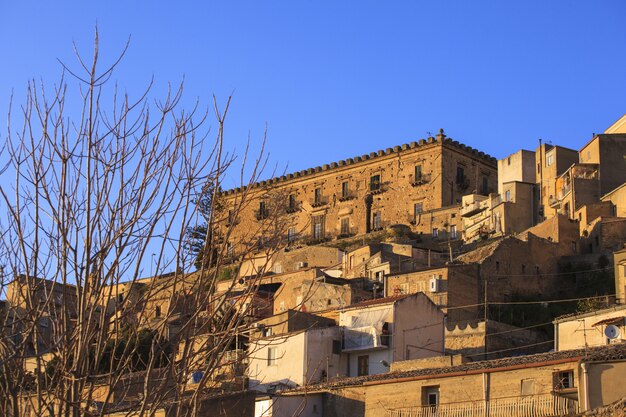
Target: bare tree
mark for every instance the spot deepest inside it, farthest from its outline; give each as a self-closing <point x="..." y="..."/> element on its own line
<point x="101" y="196"/>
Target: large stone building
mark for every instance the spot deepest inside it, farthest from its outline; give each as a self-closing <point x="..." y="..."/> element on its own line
<point x="408" y="184"/>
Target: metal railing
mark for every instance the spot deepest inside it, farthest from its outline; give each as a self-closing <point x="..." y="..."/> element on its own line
<point x="529" y="406"/>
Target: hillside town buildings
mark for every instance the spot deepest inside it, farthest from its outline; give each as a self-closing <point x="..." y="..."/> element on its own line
<point x="427" y="279"/>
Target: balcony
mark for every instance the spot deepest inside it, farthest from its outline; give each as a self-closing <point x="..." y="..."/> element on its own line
<point x="546" y="405"/>
<point x="554" y="203"/>
<point x="347" y="197"/>
<point x="472" y="208"/>
<point x="364" y="338"/>
<point x="262" y="214"/>
<point x="319" y="202"/>
<point x="292" y="208"/>
<point x="421" y="180"/>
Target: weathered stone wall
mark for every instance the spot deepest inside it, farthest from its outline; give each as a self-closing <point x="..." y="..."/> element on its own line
<point x="364" y="193"/>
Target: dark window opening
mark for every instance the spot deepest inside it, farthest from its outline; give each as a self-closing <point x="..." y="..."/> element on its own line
<point x="292" y="202"/>
<point x="318" y="196"/>
<point x="363" y="365"/>
<point x="345" y="226"/>
<point x="377" y="221"/>
<point x="375" y="183"/>
<point x="262" y="214"/>
<point x="460" y="174"/>
<point x="318" y="227"/>
<point x="345" y="189"/>
<point x="485" y="186"/>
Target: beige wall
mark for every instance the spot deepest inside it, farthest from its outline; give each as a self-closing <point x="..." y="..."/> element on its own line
<point x="557" y="229"/>
<point x="499" y="385"/>
<point x="617" y="198"/>
<point x="604" y="383"/>
<point x="519" y="166"/>
<point x="583" y="330"/>
<point x="608" y="151"/>
<point x="550" y="163"/>
<point x="458" y="286"/>
<point x="416" y="327"/>
<point x="301" y="358"/>
<point x="619" y="263"/>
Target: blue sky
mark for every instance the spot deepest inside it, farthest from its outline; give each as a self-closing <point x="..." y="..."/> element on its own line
<point x="331" y="79"/>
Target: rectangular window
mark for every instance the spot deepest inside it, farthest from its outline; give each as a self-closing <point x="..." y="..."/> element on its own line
<point x="430" y="396"/>
<point x="229" y="249"/>
<point x="318" y="196"/>
<point x="527" y="387"/>
<point x="291" y="234"/>
<point x="292" y="202"/>
<point x="271" y="356"/>
<point x="376" y="221"/>
<point x="563" y="380"/>
<point x="345" y="190"/>
<point x="262" y="214"/>
<point x="230" y="218"/>
<point x="363" y="365"/>
<point x="345" y="226"/>
<point x="507" y="195"/>
<point x="418" y="173"/>
<point x="485" y="185"/>
<point x="375" y="183"/>
<point x="417" y="209"/>
<point x="549" y="159"/>
<point x="318" y="227"/>
<point x="452" y="232"/>
<point x="336" y="347"/>
<point x="435" y="232"/>
<point x="460" y="174"/>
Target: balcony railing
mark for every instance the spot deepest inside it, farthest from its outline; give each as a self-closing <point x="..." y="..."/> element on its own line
<point x="421" y="180"/>
<point x="319" y="202"/>
<point x="531" y="406"/>
<point x="554" y="203"/>
<point x="347" y="197"/>
<point x="472" y="208"/>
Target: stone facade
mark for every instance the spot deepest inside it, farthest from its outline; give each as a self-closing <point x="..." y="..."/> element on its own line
<point x="407" y="184"/>
<point x="452" y="288"/>
<point x="551" y="162"/>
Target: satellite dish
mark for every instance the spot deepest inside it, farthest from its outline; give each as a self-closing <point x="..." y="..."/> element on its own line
<point x="612" y="332"/>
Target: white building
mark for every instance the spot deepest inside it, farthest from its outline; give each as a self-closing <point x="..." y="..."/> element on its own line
<point x="386" y="330"/>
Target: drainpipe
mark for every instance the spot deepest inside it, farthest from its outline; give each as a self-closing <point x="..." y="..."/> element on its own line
<point x="486" y="393"/>
<point x="556" y="337"/>
<point x="585" y="384"/>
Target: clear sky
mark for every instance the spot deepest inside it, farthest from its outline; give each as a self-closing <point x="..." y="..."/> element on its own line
<point x="334" y="79"/>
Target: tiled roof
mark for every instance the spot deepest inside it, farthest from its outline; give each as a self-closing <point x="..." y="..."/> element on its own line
<point x="612" y="352"/>
<point x="377" y="301"/>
